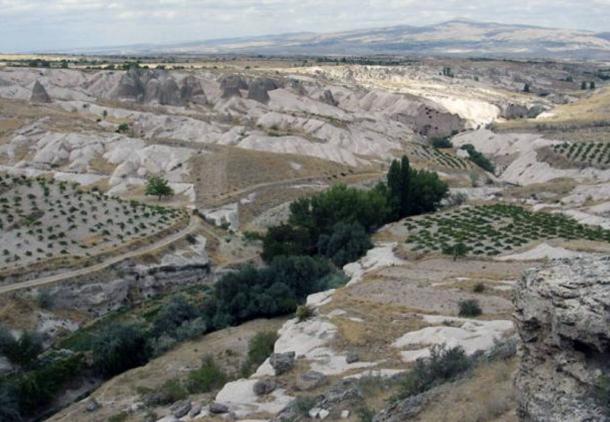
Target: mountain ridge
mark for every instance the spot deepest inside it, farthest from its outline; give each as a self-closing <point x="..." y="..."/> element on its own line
<point x="457" y="37"/>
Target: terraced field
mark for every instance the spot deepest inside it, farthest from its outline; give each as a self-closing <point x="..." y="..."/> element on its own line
<point x="493" y="229"/>
<point x="43" y="220"/>
<point x="437" y="157"/>
<point x="585" y="153"/>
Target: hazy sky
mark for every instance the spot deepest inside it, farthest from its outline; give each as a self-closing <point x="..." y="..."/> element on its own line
<point x="37" y="25"/>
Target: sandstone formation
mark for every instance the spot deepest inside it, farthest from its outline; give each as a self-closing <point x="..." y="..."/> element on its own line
<point x="328" y="98"/>
<point x="562" y="315"/>
<point x="259" y="89"/>
<point x="158" y="87"/>
<point x="232" y="85"/>
<point x="39" y="94"/>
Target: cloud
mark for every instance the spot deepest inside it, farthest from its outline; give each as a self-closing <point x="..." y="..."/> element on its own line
<point x="27" y="25"/>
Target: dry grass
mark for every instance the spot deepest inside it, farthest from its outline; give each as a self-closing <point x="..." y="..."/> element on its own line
<point x="485" y="396"/>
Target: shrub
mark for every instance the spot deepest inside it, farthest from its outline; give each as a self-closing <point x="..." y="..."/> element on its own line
<point x="170" y="392"/>
<point x="443" y="365"/>
<point x="22" y="351"/>
<point x="208" y="377"/>
<point x="260" y="348"/>
<point x="479" y="288"/>
<point x="479" y="159"/>
<point x="304" y="312"/>
<point x="9" y="404"/>
<point x="119" y="348"/>
<point x="469" y="308"/>
<point x="441" y="143"/>
<point x="172" y="315"/>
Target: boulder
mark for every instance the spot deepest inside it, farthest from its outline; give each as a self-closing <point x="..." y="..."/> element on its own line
<point x="562" y="321"/>
<point x="39" y="94"/>
<point x="92" y="405"/>
<point x="181" y="408"/>
<point x="318" y="413"/>
<point x="310" y="380"/>
<point x="352" y="357"/>
<point x="195" y="410"/>
<point x="264" y="387"/>
<point x="282" y="362"/>
<point x="218" y="408"/>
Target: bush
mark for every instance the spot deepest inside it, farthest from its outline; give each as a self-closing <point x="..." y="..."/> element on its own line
<point x="172" y="315"/>
<point x="23" y="351"/>
<point x="9" y="404"/>
<point x="479" y="288"/>
<point x="119" y="348"/>
<point x="260" y="348"/>
<point x="479" y="159"/>
<point x="268" y="292"/>
<point x="170" y="392"/>
<point x="443" y="365"/>
<point x="208" y="377"/>
<point x="442" y="143"/>
<point x="304" y="312"/>
<point x="469" y="308"/>
<point x="159" y="187"/>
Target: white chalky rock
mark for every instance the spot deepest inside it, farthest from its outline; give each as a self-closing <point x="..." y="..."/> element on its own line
<point x="472" y="335"/>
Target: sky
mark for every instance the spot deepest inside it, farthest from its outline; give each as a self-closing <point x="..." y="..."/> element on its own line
<point x="52" y="25"/>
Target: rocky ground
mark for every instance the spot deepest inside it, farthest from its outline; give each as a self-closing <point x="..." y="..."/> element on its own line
<point x="238" y="143"/>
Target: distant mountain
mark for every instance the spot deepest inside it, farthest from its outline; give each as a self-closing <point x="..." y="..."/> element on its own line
<point x="455" y="38"/>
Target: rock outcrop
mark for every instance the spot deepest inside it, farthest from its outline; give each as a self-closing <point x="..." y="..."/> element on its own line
<point x="158" y="87"/>
<point x="259" y="89"/>
<point x="562" y="315"/>
<point x="328" y="98"/>
<point x="232" y="85"/>
<point x="39" y="94"/>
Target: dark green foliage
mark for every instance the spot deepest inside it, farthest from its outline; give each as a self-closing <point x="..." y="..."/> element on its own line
<point x="478" y="288"/>
<point x="23" y="351"/>
<point x="479" y="159"/>
<point x="443" y="365"/>
<point x="457" y="250"/>
<point x="170" y="392"/>
<point x="469" y="308"/>
<point x="345" y="244"/>
<point x="38" y="387"/>
<point x="321" y="224"/>
<point x="208" y="377"/>
<point x="158" y="186"/>
<point x="9" y="404"/>
<point x="123" y="128"/>
<point x="172" y="315"/>
<point x="441" y="143"/>
<point x="286" y="240"/>
<point x="119" y="348"/>
<point x="365" y="414"/>
<point x="526" y="87"/>
<point x="257" y="293"/>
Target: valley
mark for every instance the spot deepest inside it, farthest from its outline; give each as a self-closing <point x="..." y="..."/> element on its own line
<point x="276" y="271"/>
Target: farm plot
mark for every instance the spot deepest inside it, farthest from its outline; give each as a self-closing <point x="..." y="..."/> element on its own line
<point x="585" y="153"/>
<point x="42" y="220"/>
<point x="493" y="229"/>
<point x="438" y="157"/>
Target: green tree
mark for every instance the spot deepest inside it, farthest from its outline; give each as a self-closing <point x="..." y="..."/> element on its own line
<point x="583" y="85"/>
<point x="592" y="85"/>
<point x="526" y="88"/>
<point x="119" y="348"/>
<point x="346" y="243"/>
<point x="158" y="186"/>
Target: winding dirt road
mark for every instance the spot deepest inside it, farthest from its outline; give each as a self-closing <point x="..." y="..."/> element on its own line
<point x="43" y="281"/>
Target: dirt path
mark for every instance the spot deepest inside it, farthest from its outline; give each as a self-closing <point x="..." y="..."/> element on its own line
<point x="193" y="225"/>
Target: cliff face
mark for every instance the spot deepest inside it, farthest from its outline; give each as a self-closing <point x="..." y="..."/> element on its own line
<point x="563" y="320"/>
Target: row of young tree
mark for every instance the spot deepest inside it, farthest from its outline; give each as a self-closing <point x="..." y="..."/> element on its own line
<point x="324" y="231"/>
<point x="336" y="224"/>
